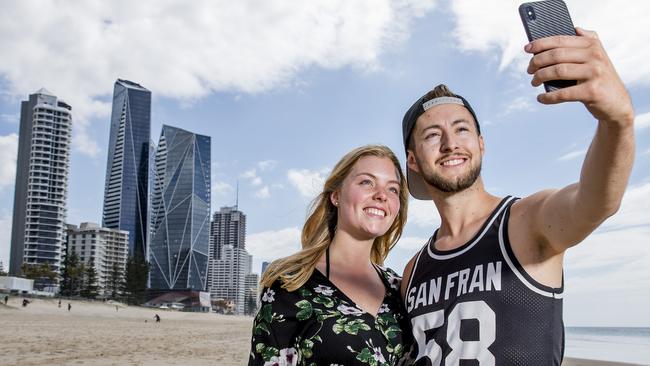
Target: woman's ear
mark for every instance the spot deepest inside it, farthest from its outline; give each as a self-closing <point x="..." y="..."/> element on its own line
<point x="334" y="198"/>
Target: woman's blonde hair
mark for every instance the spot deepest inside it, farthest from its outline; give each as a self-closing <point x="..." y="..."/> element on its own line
<point x="318" y="231"/>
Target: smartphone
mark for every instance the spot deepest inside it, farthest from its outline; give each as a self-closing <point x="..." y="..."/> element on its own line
<point x="544" y="19"/>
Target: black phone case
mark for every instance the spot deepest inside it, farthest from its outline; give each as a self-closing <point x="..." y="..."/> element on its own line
<point x="550" y="18"/>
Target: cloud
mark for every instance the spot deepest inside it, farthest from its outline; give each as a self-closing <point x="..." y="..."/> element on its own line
<point x="308" y="182"/>
<point x="273" y="244"/>
<point x="634" y="209"/>
<point x="12" y="118"/>
<point x="186" y="50"/>
<point x="494" y="27"/>
<point x="423" y="214"/>
<point x="252" y="177"/>
<point x="8" y="153"/>
<point x="267" y="164"/>
<point x="522" y="103"/>
<point x="5" y="239"/>
<point x="616" y="257"/>
<point x="572" y="155"/>
<point x="220" y="188"/>
<point x="263" y="192"/>
<point x="411" y="243"/>
<point x="642" y="121"/>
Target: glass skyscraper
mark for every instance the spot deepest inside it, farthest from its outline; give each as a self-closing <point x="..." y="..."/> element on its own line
<point x="43" y="164"/>
<point x="126" y="193"/>
<point x="180" y="210"/>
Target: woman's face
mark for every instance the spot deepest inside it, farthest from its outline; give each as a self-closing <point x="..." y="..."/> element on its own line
<point x="368" y="200"/>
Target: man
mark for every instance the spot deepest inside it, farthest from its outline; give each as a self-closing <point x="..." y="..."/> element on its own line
<point x="487" y="287"/>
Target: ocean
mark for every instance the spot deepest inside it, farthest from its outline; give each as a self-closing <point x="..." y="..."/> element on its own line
<point x="609" y="344"/>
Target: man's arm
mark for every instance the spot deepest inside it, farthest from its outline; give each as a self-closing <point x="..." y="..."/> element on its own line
<point x="564" y="217"/>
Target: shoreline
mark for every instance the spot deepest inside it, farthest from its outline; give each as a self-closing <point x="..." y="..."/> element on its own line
<point x="571" y="361"/>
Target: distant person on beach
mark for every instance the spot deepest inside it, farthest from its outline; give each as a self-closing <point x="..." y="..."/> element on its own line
<point x="487" y="287"/>
<point x="157" y="317"/>
<point x="25" y="302"/>
<point x="59" y="302"/>
<point x="6" y="299"/>
<point x="333" y="302"/>
<point x="69" y="306"/>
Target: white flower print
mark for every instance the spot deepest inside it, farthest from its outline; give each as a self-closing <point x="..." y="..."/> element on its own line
<point x="393" y="281"/>
<point x="377" y="355"/>
<point x="383" y="309"/>
<point x="268" y="295"/>
<point x="288" y="357"/>
<point x="349" y="310"/>
<point x="274" y="361"/>
<point x="325" y="290"/>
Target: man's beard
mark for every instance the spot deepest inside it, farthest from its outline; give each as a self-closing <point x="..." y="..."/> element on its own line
<point x="450" y="185"/>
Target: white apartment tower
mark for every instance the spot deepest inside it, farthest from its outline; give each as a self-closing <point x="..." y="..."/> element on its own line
<point x="227" y="278"/>
<point x="42" y="169"/>
<point x="107" y="248"/>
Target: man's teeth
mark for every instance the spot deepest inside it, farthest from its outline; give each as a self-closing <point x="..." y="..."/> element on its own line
<point x="375" y="211"/>
<point x="453" y="162"/>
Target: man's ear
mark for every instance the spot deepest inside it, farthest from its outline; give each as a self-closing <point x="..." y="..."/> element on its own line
<point x="481" y="144"/>
<point x="411" y="163"/>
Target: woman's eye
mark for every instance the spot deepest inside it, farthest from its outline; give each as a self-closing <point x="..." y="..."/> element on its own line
<point x="394" y="190"/>
<point x="366" y="182"/>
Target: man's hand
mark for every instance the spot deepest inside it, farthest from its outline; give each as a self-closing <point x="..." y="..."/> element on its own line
<point x="584" y="59"/>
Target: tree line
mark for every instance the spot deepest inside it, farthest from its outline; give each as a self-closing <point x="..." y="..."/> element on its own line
<point x="78" y="279"/>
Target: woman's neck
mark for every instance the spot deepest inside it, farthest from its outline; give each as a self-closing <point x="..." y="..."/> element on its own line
<point x="350" y="253"/>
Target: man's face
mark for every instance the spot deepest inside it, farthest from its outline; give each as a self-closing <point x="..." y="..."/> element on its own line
<point x="447" y="148"/>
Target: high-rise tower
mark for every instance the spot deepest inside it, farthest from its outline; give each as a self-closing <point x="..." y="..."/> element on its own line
<point x="228" y="228"/>
<point x="127" y="170"/>
<point x="180" y="210"/>
<point x="43" y="164"/>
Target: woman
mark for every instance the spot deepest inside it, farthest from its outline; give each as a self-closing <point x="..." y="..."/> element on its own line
<point x="331" y="303"/>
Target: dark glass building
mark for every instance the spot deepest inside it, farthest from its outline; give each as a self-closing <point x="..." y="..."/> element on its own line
<point x="180" y="211"/>
<point x="126" y="193"/>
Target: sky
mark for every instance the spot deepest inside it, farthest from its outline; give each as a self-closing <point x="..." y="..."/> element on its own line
<point x="286" y="88"/>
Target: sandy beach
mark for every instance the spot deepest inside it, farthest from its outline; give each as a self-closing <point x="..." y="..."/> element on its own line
<point x="95" y="333"/>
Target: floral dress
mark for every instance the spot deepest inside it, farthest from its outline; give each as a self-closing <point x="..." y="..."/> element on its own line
<point x="319" y="325"/>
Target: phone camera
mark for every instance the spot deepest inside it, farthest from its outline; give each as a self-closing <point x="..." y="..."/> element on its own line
<point x="530" y="13"/>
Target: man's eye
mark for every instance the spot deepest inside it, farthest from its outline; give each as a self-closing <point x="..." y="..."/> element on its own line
<point x="431" y="135"/>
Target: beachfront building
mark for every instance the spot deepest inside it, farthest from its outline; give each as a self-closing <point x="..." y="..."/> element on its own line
<point x="230" y="263"/>
<point x="228" y="276"/>
<point x="228" y="228"/>
<point x="251" y="293"/>
<point x="42" y="169"/>
<point x="127" y="169"/>
<point x="106" y="248"/>
<point x="265" y="265"/>
<point x="180" y="212"/>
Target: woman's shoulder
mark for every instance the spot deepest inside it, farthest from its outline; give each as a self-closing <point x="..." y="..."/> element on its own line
<point x="278" y="289"/>
<point x="393" y="279"/>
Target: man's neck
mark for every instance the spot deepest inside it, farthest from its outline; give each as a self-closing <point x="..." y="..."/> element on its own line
<point x="463" y="211"/>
